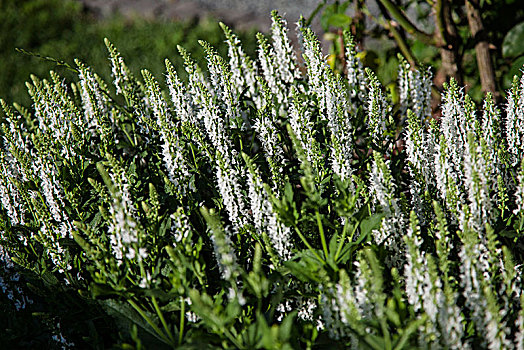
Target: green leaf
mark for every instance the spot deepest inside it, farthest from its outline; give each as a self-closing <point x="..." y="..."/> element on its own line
<point x="509" y="233"/>
<point x="232" y="311"/>
<point x="125" y="316"/>
<point x="254" y="336"/>
<point x="158" y="293"/>
<point x="513" y="44"/>
<point x="374" y="341"/>
<point x="339" y="20"/>
<point x="333" y="244"/>
<point x="287" y="326"/>
<point x="392" y="314"/>
<point x="288" y="192"/>
<point x="172" y="306"/>
<point x="49" y="279"/>
<point x="409" y="330"/>
<point x="211" y="313"/>
<point x="326" y="14"/>
<point x="101" y="290"/>
<point x="345" y="252"/>
<point x="369" y="224"/>
<point x="515" y="69"/>
<point x="306" y="269"/>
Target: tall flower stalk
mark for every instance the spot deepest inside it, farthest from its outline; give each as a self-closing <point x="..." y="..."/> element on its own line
<point x="380" y="225"/>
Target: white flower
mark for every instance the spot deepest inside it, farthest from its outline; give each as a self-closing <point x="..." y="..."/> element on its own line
<point x="268" y="135"/>
<point x="285" y="56"/>
<point x="283" y="309"/>
<point x="265" y="219"/>
<point x="60" y="340"/>
<point x="177" y="168"/>
<point x="123" y="228"/>
<point x="382" y="190"/>
<point x="10" y="197"/>
<point x="356" y="76"/>
<point x="478" y="184"/>
<point x="515" y="121"/>
<point x="181" y="101"/>
<point x="416" y="273"/>
<point x="519" y="193"/>
<point x="303" y="128"/>
<point x="377" y="109"/>
<point x="231" y="192"/>
<point x="220" y="76"/>
<point x="480" y="298"/>
<point x="415" y="90"/>
<point x="491" y="134"/>
<point x="224" y="254"/>
<point x="457" y="121"/>
<point x="180" y="226"/>
<point x="9" y="280"/>
<point x="192" y="317"/>
<point x="306" y="309"/>
<point x="93" y="101"/>
<point x="270" y="67"/>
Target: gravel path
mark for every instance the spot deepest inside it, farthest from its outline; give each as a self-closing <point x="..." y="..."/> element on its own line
<point x="240" y="14"/>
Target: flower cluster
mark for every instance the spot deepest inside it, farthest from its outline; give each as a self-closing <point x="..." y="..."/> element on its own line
<point x="268" y="203"/>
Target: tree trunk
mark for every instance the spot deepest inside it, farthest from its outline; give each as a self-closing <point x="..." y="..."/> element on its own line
<point x="447" y="40"/>
<point x="485" y="66"/>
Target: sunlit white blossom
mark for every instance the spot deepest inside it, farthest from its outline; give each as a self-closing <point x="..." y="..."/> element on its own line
<point x="265" y="219"/>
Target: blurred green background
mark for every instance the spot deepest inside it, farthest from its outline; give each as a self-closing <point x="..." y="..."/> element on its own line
<point x="62" y="29"/>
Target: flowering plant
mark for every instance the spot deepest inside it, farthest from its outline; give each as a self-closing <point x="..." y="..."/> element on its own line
<point x="269" y="204"/>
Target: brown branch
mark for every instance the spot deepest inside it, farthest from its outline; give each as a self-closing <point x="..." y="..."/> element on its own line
<point x="404" y="21"/>
<point x="402" y="45"/>
<point x="358" y="24"/>
<point x="447" y="41"/>
<point x="484" y="63"/>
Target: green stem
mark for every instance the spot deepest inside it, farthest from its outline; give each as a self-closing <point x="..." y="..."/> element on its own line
<point x="341" y="243"/>
<point x="162" y="319"/>
<point x="32" y="247"/>
<point x="322" y="235"/>
<point x="194" y="156"/>
<point x="314" y="13"/>
<point x="129" y="137"/>
<point x="27" y="200"/>
<point x="297" y="230"/>
<point x="385" y="331"/>
<point x="182" y="320"/>
<point x="372" y="343"/>
<point x="230" y="336"/>
<point x="402" y="45"/>
<point x="241" y="144"/>
<point x="158" y="331"/>
<point x="140" y="263"/>
<point x="344" y="233"/>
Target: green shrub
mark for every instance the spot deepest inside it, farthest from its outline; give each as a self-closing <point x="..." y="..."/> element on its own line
<point x="262" y="204"/>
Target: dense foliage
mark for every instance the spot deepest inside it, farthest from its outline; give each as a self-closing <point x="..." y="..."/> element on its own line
<point x="266" y="204"/>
